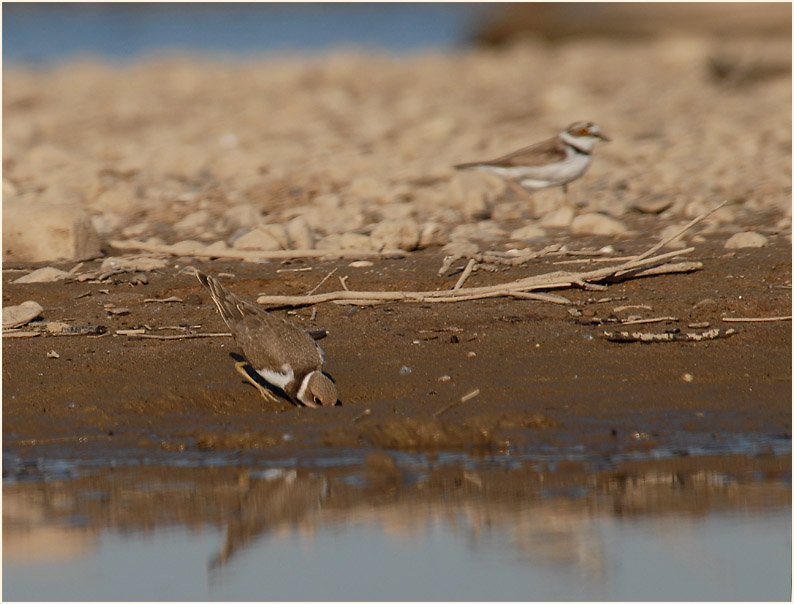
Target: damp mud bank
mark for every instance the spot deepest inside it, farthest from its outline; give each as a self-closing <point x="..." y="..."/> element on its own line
<point x="547" y="379"/>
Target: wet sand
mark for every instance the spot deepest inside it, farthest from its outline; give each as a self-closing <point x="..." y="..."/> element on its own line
<point x="544" y="376"/>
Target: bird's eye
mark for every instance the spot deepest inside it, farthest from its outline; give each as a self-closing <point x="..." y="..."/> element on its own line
<point x="317" y="400"/>
<point x="583" y="131"/>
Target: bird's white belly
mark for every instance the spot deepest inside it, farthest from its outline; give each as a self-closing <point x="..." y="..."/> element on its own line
<point x="278" y="378"/>
<point x="550" y="175"/>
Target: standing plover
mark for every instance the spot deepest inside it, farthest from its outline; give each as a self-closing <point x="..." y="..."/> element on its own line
<point x="553" y="162"/>
<point x="282" y="353"/>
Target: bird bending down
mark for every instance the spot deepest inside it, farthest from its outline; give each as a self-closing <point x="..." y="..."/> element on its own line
<point x="549" y="163"/>
<point x="280" y="352"/>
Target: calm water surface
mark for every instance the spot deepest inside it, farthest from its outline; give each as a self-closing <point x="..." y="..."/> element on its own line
<point x="420" y="530"/>
<point x="43" y="32"/>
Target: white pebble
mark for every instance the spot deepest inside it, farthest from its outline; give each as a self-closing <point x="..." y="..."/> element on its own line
<point x="746" y="239"/>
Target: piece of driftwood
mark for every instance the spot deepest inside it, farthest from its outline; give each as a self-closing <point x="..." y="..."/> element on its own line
<point x="646" y="264"/>
<point x="647" y="337"/>
<point x="171" y="250"/>
<point x="555" y="280"/>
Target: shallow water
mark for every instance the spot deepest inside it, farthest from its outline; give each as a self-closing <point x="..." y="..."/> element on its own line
<point x="47" y="32"/>
<point x="421" y="529"/>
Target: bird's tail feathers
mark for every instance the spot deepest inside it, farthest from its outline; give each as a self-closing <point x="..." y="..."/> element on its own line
<point x="229" y="305"/>
<point x="468" y="165"/>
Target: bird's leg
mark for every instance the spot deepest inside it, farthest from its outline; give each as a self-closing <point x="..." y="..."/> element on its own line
<point x="522" y="192"/>
<point x="240" y="366"/>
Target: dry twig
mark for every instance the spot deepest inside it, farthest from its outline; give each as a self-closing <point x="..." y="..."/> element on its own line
<point x="465" y="274"/>
<point x="653" y="320"/>
<point x="463" y="399"/>
<point x="185" y="336"/>
<point x="323" y="280"/>
<point x="754" y="319"/>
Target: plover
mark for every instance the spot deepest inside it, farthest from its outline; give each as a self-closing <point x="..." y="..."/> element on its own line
<point x="550" y="163"/>
<point x="282" y="353"/>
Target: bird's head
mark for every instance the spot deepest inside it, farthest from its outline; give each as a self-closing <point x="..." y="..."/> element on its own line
<point x="585" y="134"/>
<point x="318" y="390"/>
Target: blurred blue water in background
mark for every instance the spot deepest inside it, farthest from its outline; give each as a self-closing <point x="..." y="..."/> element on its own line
<point x="42" y="33"/>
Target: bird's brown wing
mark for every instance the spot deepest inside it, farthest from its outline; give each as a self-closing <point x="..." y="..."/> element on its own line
<point x="540" y="154"/>
<point x="269" y="342"/>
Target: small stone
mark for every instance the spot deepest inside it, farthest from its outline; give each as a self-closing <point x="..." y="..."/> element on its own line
<point x="669" y="231"/>
<point x="218" y="246"/>
<point x="485" y="230"/>
<point x="530" y="231"/>
<point x="432" y="233"/>
<point x="445" y="378"/>
<point x="345" y="241"/>
<point x="134" y="264"/>
<point x="9" y="190"/>
<point x="746" y="239"/>
<point x="107" y="223"/>
<point x="471" y="354"/>
<point x="405" y="370"/>
<point x="335" y="221"/>
<point x="509" y="210"/>
<point x="473" y="194"/>
<point x="655" y="205"/>
<point x="15" y="316"/>
<point x="262" y="239"/>
<point x="398" y="234"/>
<point x="360" y="263"/>
<point x="688" y="377"/>
<point x="242" y="216"/>
<point x="137" y="230"/>
<point x="196" y="222"/>
<point x="328" y="201"/>
<point x="597" y="224"/>
<point x="696" y="208"/>
<point x="560" y="218"/>
<point x="43" y="275"/>
<point x="53" y="355"/>
<point x="299" y="234"/>
<point x="115" y="201"/>
<point x="188" y="247"/>
<point x="367" y="187"/>
<point x="462" y="249"/>
<point x="394" y="211"/>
